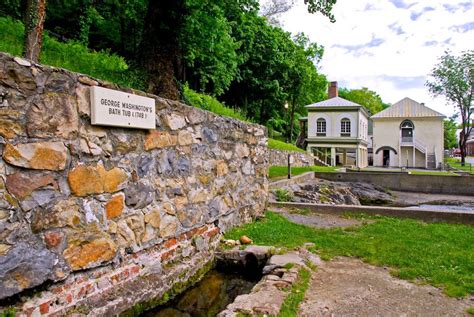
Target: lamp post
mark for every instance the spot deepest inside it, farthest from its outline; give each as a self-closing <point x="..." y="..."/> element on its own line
<point x="288" y="141"/>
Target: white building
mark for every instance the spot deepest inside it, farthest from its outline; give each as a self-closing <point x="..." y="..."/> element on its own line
<point x="337" y="131"/>
<point x="408" y="134"/>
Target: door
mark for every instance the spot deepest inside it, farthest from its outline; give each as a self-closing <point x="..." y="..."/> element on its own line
<point x="386" y="158"/>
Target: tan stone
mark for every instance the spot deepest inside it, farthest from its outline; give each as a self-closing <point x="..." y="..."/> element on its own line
<point x="21" y="185"/>
<point x="180" y="202"/>
<point x="175" y="121"/>
<point x="245" y="240"/>
<point x="53" y="115"/>
<point x="85" y="180"/>
<point x="153" y="218"/>
<point x="112" y="226"/>
<point x="64" y="213"/>
<point x="185" y="138"/>
<point x="198" y="196"/>
<point x="114" y="207"/>
<point x="168" y="226"/>
<point x="10" y="129"/>
<point x="40" y="155"/>
<point x="159" y="139"/>
<point x="222" y="168"/>
<point x="4" y="249"/>
<point x="169" y="208"/>
<point x="87" y="250"/>
<point x="204" y="179"/>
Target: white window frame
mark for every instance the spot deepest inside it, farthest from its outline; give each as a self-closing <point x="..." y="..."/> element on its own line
<point x="346" y="127"/>
<point x="321" y="127"/>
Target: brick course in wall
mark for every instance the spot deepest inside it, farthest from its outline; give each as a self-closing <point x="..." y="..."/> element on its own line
<point x="96" y="220"/>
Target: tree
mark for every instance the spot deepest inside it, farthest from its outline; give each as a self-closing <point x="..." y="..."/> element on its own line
<point x="34" y="21"/>
<point x="450" y="139"/>
<point x="365" y="97"/>
<point x="272" y="10"/>
<point x="453" y="78"/>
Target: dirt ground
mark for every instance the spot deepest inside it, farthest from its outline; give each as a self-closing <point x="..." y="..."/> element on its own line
<point x="349" y="287"/>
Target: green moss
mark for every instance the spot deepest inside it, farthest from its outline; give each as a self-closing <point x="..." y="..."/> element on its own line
<point x="8" y="312"/>
<point x="175" y="290"/>
<point x="296" y="295"/>
<point x="470" y="311"/>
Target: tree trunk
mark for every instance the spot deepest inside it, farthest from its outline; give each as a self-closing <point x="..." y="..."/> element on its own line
<point x="35" y="15"/>
<point x="462" y="146"/>
<point x="160" y="51"/>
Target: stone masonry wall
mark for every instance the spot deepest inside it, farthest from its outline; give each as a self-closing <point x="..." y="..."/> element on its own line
<point x="280" y="158"/>
<point x="97" y="220"/>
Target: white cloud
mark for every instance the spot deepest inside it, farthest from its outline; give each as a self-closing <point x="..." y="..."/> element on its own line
<point x="389" y="46"/>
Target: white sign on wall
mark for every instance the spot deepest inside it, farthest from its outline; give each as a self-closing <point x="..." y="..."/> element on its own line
<point x="119" y="109"/>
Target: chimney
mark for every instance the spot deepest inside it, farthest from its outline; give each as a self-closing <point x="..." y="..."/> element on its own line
<point x="332" y="90"/>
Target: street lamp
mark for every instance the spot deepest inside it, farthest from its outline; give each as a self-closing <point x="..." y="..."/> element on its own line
<point x="288" y="141"/>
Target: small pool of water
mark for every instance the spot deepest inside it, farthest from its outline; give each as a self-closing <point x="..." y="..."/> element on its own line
<point x="208" y="297"/>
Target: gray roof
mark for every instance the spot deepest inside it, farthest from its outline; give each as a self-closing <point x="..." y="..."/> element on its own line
<point x="333" y="102"/>
<point x="407" y="108"/>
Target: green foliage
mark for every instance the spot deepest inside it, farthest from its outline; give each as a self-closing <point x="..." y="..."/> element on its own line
<point x="439" y="254"/>
<point x="365" y="97"/>
<point x="209" y="103"/>
<point x="296" y="295"/>
<point x="456" y="163"/>
<point x="279" y="171"/>
<point x="279" y="145"/>
<point x="72" y="56"/>
<point x="470" y="310"/>
<point x="450" y="139"/>
<point x="8" y="312"/>
<point x="283" y="195"/>
<point x="433" y="173"/>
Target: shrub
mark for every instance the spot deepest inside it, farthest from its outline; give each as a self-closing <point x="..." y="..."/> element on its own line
<point x="283" y="195"/>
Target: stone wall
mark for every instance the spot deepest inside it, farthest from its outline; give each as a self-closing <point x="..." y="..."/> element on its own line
<point x="99" y="219"/>
<point x="280" y="158"/>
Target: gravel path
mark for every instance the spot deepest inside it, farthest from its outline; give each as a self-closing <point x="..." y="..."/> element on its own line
<point x="349" y="287"/>
<point x="318" y="220"/>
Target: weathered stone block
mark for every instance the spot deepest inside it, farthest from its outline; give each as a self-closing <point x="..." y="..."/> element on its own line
<point x="53" y="115"/>
<point x="153" y="218"/>
<point x="139" y="195"/>
<point x="114" y="207"/>
<point x="88" y="248"/>
<point x="175" y="121"/>
<point x="66" y="213"/>
<point x="21" y="185"/>
<point x="159" y="139"/>
<point x="85" y="180"/>
<point x="41" y="155"/>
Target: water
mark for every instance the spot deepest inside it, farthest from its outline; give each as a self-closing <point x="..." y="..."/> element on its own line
<point x="461" y="208"/>
<point x="208" y="297"/>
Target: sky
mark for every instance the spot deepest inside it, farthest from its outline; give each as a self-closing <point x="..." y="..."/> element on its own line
<point x="389" y="46"/>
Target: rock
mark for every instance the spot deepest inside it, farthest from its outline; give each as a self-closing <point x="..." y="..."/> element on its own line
<point x="53" y="239"/>
<point x="175" y="121"/>
<point x="21" y="185"/>
<point x="85" y="180"/>
<point x="200" y="243"/>
<point x="198" y="196"/>
<point x="183" y="165"/>
<point x="10" y="129"/>
<point x="245" y="240"/>
<point x="185" y="138"/>
<point x="90" y="147"/>
<point x="153" y="218"/>
<point x="285" y="259"/>
<point x="26" y="264"/>
<point x="139" y="195"/>
<point x="168" y="226"/>
<point x="159" y="139"/>
<point x="41" y="155"/>
<point x="145" y="165"/>
<point x="209" y="135"/>
<point x="164" y="165"/>
<point x="114" y="207"/>
<point x="54" y="115"/>
<point x="222" y="169"/>
<point x="189" y="217"/>
<point x="22" y="62"/>
<point x="87" y="81"/>
<point x="169" y="208"/>
<point x="64" y="213"/>
<point x="87" y="249"/>
<point x="37" y="198"/>
<point x="242" y="150"/>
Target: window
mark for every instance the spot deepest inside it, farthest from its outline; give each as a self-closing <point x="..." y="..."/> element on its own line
<point x="321" y="127"/>
<point x="345" y="127"/>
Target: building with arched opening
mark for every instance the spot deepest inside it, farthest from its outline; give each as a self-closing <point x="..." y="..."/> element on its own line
<point x="408" y="134"/>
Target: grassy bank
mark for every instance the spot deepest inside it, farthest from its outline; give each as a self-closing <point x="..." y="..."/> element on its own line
<point x="275" y="172"/>
<point x="279" y="145"/>
<point x="439" y="254"/>
<point x="456" y="163"/>
<point x="72" y="56"/>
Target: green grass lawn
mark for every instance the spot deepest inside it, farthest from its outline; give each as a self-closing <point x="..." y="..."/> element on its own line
<point x="456" y="163"/>
<point x="438" y="254"/>
<point x="435" y="173"/>
<point x="279" y="145"/>
<point x="281" y="171"/>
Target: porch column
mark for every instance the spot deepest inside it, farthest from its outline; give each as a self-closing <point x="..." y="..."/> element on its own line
<point x="357" y="152"/>
<point x="333" y="156"/>
<point x="344" y="157"/>
<point x="414" y="162"/>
